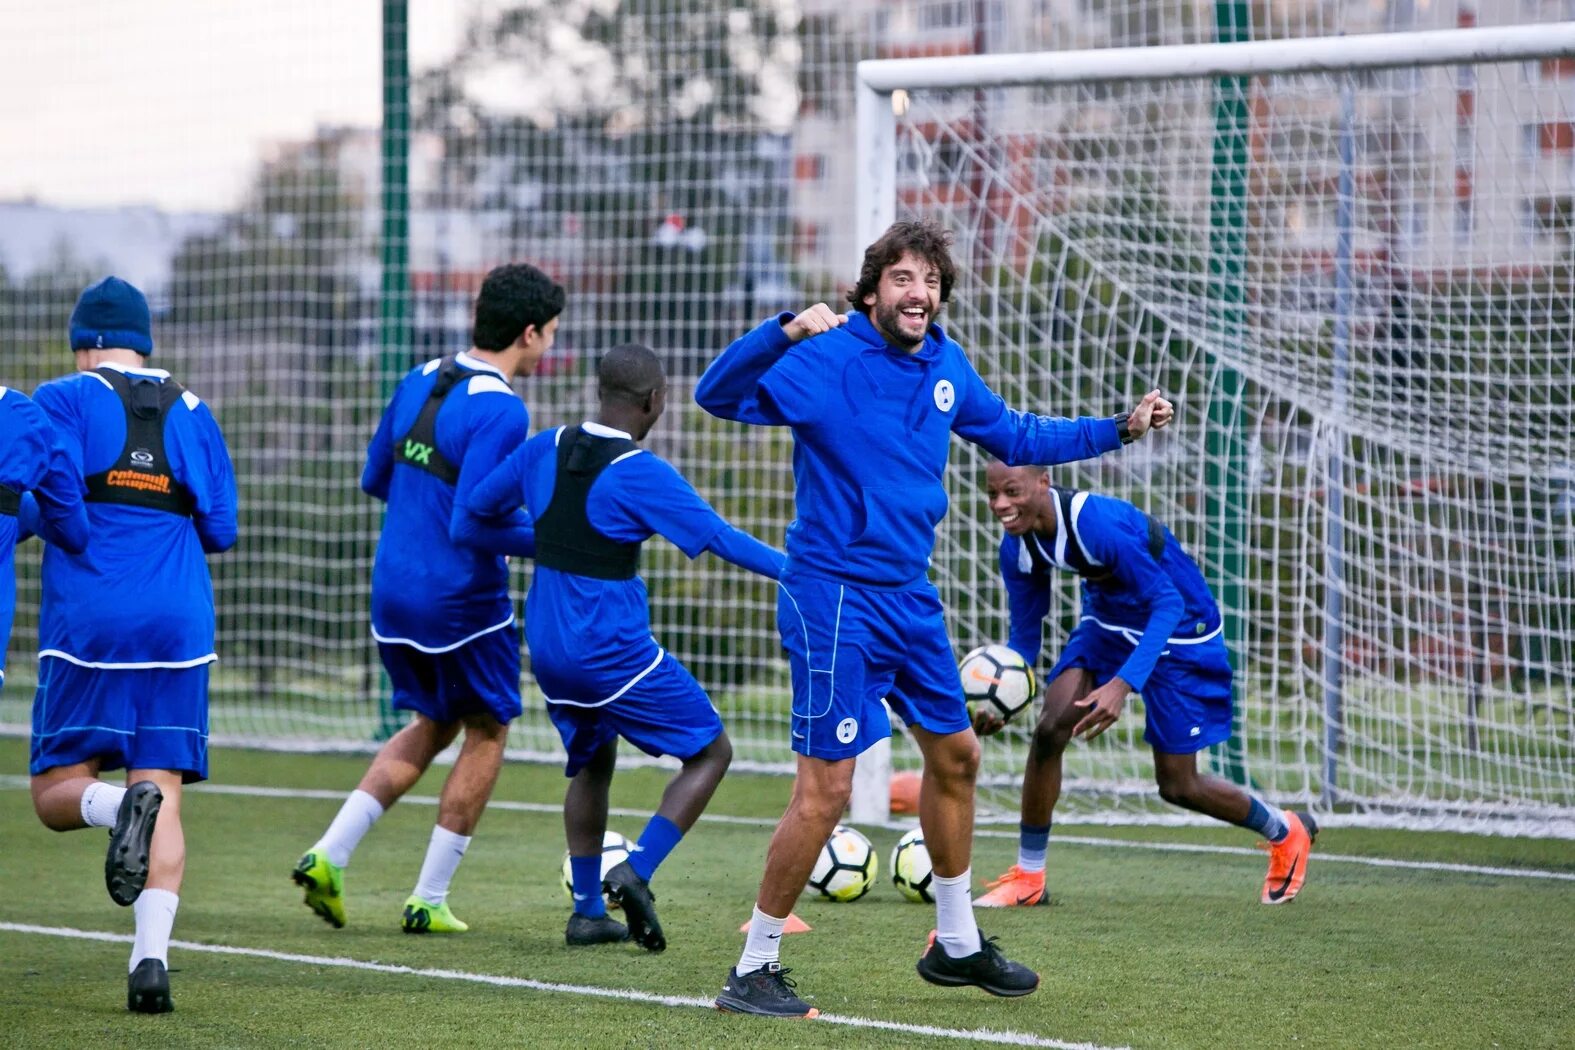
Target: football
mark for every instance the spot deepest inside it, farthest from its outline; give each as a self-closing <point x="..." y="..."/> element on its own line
<point x="615" y="850"/>
<point x="910" y="868"/>
<point x="998" y="678"/>
<point x="845" y="869"/>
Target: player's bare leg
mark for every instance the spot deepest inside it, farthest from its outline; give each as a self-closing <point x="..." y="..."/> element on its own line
<point x="584" y="826"/>
<point x="1023" y="884"/>
<point x="957" y="954"/>
<point x="57" y="794"/>
<point x="759" y="983"/>
<point x="147" y="986"/>
<point x="1288" y="836"/>
<point x="405" y="757"/>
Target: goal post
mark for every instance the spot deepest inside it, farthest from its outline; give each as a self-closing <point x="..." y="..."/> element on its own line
<point x="1370" y="288"/>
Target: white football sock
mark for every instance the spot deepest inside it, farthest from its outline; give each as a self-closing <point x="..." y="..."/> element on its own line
<point x="444" y="853"/>
<point x="954" y="923"/>
<point x="155" y="914"/>
<point x="355" y="819"/>
<point x="101" y="804"/>
<point x="764" y="944"/>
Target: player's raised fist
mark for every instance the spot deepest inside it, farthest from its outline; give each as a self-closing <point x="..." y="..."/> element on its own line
<point x="817" y="319"/>
<point x="1153" y="412"/>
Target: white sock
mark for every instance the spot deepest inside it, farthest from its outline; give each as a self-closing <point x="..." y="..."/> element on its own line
<point x="954" y="924"/>
<point x="155" y="914"/>
<point x="101" y="804"/>
<point x="355" y="819"/>
<point x="764" y="944"/>
<point x="444" y="853"/>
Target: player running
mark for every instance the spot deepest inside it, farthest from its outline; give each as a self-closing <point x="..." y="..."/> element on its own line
<point x="441" y="611"/>
<point x="126" y="626"/>
<point x="873" y="398"/>
<point x="594" y="497"/>
<point x="1149" y="625"/>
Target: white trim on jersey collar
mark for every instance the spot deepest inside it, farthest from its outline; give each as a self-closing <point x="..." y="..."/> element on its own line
<point x="590" y="426"/>
<point x="476" y="364"/>
<point x="156" y="373"/>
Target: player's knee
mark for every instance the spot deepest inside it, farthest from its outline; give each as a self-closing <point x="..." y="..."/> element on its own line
<point x="1050" y="739"/>
<point x="1176" y="789"/>
<point x="958" y="762"/>
<point x="719" y="752"/>
<point x="822" y="799"/>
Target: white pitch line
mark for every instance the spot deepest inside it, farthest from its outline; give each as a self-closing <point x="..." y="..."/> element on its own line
<point x="259" y="791"/>
<point x="972" y="1035"/>
<point x="1072" y="840"/>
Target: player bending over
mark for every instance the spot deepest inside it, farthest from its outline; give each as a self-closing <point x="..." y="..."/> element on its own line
<point x="873" y="398"/>
<point x="594" y="496"/>
<point x="1149" y="625"/>
<point x="441" y="612"/>
<point x="126" y="626"/>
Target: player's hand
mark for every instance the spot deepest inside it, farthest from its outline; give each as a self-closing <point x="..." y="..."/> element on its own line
<point x="1104" y="704"/>
<point x="1152" y="413"/>
<point x="987" y="723"/>
<point x="814" y="321"/>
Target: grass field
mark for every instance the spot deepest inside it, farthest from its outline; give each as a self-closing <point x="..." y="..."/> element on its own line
<point x="1147" y="947"/>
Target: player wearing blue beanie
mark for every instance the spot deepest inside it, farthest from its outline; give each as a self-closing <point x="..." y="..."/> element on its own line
<point x="128" y="689"/>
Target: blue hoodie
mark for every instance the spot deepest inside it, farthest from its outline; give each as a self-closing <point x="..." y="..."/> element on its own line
<point x="872" y="427"/>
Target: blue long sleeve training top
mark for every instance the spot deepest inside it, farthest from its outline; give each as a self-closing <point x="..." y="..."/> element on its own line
<point x="48" y="488"/>
<point x="140" y="594"/>
<point x="590" y="637"/>
<point x="872" y="427"/>
<point x="440" y="578"/>
<point x="1150" y="603"/>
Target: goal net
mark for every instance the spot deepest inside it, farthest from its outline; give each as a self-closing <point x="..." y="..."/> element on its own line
<point x="1351" y="264"/>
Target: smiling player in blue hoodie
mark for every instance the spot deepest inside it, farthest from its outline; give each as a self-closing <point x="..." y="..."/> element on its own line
<point x="874" y="397"/>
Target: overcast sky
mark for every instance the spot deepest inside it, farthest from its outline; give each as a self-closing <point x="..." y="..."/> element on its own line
<point x="172" y="102"/>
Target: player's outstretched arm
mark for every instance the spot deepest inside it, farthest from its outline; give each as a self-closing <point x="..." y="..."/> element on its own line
<point x="739" y="547"/>
<point x="736" y="385"/>
<point x="1151" y="413"/>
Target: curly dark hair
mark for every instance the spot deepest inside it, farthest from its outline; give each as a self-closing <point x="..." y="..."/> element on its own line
<point x="925" y="238"/>
<point x="512" y="298"/>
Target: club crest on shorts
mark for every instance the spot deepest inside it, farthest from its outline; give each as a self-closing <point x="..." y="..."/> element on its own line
<point x="945" y="395"/>
<point x="847" y="729"/>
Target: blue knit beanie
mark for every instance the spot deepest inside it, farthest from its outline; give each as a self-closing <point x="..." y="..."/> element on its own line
<point x="112" y="314"/>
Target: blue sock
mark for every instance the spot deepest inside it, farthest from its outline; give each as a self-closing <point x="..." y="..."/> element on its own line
<point x="656" y="842"/>
<point x="1270" y="823"/>
<point x="1033" y="842"/>
<point x="587" y="878"/>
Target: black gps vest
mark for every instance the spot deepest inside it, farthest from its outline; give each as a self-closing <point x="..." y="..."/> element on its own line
<point x="419" y="447"/>
<point x="565" y="539"/>
<point x="141" y="476"/>
<point x="10" y="501"/>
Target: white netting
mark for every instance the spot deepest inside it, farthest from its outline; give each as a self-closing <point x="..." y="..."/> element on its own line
<point x="1381" y="382"/>
<point x="686" y="168"/>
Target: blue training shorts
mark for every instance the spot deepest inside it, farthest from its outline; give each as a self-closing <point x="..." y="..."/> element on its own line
<point x="1187" y="699"/>
<point x="663" y="711"/>
<point x="850" y="646"/>
<point x="481" y="677"/>
<point x="147" y="718"/>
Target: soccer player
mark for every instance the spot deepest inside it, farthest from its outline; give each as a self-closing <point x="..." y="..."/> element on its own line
<point x="126" y="626"/>
<point x="594" y="496"/>
<point x="40" y="492"/>
<point x="1149" y="625"/>
<point x="441" y="612"/>
<point x="873" y="398"/>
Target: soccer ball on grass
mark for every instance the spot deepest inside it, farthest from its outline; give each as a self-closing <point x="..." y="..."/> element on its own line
<point x="845" y="869"/>
<point x="911" y="872"/>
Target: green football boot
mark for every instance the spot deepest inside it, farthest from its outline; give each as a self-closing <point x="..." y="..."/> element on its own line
<point x="421" y="917"/>
<point x="324" y="883"/>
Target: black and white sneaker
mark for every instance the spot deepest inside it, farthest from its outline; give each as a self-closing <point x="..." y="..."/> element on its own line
<point x="766" y="992"/>
<point x="986" y="968"/>
<point x="603" y="929"/>
<point x="126" y="863"/>
<point x="626" y="889"/>
<point x="148" y="988"/>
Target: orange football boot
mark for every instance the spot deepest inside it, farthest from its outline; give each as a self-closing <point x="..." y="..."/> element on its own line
<point x="1288" y="859"/>
<point x="1016" y="889"/>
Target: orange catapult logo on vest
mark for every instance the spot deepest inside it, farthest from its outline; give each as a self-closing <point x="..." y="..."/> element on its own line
<point x="136" y="479"/>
